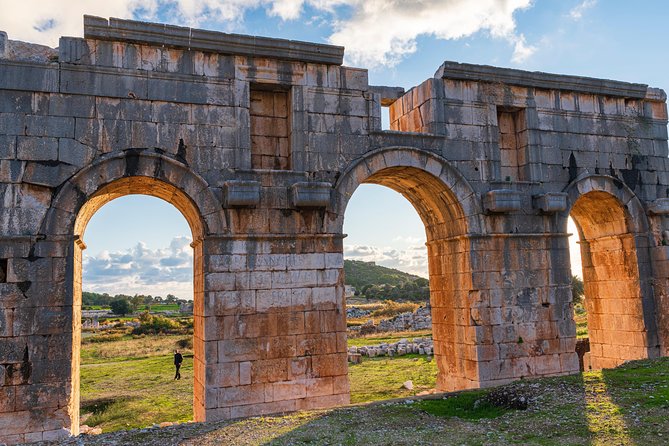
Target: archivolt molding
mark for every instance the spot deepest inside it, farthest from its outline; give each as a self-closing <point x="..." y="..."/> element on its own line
<point x="433" y="186"/>
<point x="134" y="172"/>
<point x="636" y="217"/>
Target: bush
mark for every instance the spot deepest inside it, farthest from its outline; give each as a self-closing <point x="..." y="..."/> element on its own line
<point x="121" y="306"/>
<point x="577" y="290"/>
<point x="155" y="324"/>
<point x="392" y="308"/>
<point x="185" y="343"/>
<point x="103" y="338"/>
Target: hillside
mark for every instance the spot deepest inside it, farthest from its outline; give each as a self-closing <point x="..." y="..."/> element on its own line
<point x="359" y="274"/>
<point x="378" y="282"/>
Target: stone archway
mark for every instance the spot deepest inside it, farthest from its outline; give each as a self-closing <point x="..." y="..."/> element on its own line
<point x="613" y="233"/>
<point x="131" y="173"/>
<point x="450" y="211"/>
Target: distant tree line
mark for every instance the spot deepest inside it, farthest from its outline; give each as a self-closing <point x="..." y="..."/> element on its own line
<point x="89" y="299"/>
<point x="416" y="290"/>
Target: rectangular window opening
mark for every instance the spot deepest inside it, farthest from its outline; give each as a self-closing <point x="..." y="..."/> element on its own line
<point x="270" y="127"/>
<point x="385" y="117"/>
<point x="512" y="142"/>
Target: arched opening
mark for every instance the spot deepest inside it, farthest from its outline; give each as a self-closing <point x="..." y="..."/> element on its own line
<point x="448" y="268"/>
<point x="616" y="327"/>
<point x="387" y="297"/>
<point x="448" y="209"/>
<point x="120" y="188"/>
<point x="137" y="303"/>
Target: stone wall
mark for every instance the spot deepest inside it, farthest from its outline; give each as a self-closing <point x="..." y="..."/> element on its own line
<point x="168" y="111"/>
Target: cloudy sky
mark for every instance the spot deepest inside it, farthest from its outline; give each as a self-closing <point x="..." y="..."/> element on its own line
<point x="139" y="244"/>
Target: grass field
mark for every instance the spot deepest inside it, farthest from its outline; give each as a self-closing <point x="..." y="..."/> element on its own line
<point x="624" y="406"/>
<point x="382" y="378"/>
<point x="129" y="382"/>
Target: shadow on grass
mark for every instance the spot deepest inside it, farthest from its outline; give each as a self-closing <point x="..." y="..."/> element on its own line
<point x="99" y="406"/>
<point x="628" y="405"/>
<point x="409" y="422"/>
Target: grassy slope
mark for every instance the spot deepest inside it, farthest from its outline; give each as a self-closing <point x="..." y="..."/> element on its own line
<point x="359" y="274"/>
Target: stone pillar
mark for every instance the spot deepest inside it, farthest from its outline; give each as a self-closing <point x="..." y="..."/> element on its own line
<point x="456" y="339"/>
<point x="521" y="309"/>
<point x="614" y="301"/>
<point x="36" y="340"/>
<point x="660" y="261"/>
<point x="274" y="325"/>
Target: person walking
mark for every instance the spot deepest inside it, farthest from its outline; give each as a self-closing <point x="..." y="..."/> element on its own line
<point x="178" y="359"/>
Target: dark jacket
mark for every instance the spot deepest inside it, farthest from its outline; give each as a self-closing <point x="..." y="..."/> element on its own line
<point x="178" y="359"/>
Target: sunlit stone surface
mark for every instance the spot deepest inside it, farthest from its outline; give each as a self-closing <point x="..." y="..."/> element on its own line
<point x="260" y="143"/>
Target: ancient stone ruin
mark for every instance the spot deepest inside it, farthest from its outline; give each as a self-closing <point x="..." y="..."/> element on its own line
<point x="260" y="143"/>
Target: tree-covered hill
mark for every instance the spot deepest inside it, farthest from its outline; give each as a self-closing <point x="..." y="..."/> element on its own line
<point x="359" y="274"/>
<point x="378" y="282"/>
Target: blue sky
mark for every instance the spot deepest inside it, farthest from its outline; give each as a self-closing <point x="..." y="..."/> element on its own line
<point x="137" y="244"/>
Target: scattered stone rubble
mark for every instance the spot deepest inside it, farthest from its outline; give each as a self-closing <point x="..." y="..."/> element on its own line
<point x="421" y="319"/>
<point x="355" y="312"/>
<point x="418" y="320"/>
<point x="417" y="346"/>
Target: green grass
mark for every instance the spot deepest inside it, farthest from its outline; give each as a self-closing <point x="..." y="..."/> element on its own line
<point x="468" y="406"/>
<point x="626" y="405"/>
<point x="136" y="393"/>
<point x="581" y="319"/>
<point x="128" y="383"/>
<point x="382" y="378"/>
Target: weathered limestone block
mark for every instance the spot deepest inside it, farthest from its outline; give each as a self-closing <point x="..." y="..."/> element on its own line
<point x="659" y="206"/>
<point x="241" y="193"/>
<point x="502" y="200"/>
<point x="550" y="203"/>
<point x="310" y="194"/>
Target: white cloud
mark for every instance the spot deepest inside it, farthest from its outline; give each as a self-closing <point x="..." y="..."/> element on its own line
<point x="44" y="22"/>
<point x="382" y="32"/>
<point x="412" y="240"/>
<point x="412" y="260"/>
<point x="286" y="9"/>
<point x="522" y="51"/>
<point x="577" y="12"/>
<point x="142" y="270"/>
<point x="374" y="32"/>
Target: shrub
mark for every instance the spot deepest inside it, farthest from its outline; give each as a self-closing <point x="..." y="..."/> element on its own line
<point x="392" y="308"/>
<point x="121" y="306"/>
<point x="155" y="324"/>
<point x="185" y="343"/>
<point x="103" y="338"/>
<point x="577" y="290"/>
